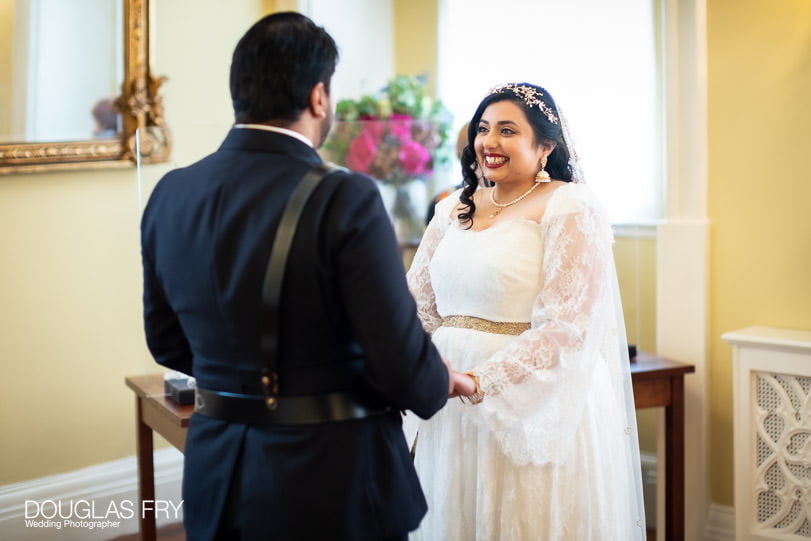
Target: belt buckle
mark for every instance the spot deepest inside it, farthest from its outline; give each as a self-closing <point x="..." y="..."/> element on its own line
<point x="199" y="401"/>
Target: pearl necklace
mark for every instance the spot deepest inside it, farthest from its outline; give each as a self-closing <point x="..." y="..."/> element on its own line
<point x="502" y="206"/>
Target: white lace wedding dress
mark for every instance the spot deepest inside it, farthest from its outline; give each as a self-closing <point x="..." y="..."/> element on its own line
<point x="552" y="452"/>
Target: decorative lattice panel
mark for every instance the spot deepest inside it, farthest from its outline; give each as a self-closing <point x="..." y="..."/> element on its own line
<point x="781" y="409"/>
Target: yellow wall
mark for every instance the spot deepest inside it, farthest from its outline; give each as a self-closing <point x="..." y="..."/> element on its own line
<point x="70" y="283"/>
<point x="759" y="104"/>
<point x="636" y="270"/>
<point x="415" y="39"/>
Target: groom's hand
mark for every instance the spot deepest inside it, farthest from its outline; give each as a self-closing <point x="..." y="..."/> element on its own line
<point x="451" y="382"/>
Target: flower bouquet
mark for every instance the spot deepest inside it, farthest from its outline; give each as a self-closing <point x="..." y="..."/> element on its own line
<point x="397" y="137"/>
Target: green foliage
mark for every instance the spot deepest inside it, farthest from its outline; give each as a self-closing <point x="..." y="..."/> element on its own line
<point x="402" y="96"/>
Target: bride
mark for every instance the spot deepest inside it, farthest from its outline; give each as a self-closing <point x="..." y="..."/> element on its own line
<point x="518" y="286"/>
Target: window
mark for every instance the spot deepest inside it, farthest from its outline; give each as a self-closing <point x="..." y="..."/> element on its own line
<point x="597" y="59"/>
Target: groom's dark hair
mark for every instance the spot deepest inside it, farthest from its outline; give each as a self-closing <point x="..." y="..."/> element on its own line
<point x="275" y="66"/>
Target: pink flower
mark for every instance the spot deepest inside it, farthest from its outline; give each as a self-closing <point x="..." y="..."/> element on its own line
<point x="375" y="129"/>
<point x="400" y="127"/>
<point x="414" y="158"/>
<point x="361" y="152"/>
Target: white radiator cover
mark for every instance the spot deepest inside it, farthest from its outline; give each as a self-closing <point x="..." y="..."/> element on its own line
<point x="772" y="424"/>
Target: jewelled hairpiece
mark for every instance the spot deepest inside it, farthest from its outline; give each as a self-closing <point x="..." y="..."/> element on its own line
<point x="530" y="95"/>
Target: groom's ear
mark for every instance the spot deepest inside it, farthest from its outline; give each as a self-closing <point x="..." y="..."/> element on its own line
<point x="319" y="103"/>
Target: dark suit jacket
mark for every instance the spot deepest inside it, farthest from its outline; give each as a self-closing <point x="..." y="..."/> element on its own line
<point x="348" y="323"/>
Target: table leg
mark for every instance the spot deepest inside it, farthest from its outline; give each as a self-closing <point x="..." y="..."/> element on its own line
<point x="674" y="462"/>
<point x="146" y="476"/>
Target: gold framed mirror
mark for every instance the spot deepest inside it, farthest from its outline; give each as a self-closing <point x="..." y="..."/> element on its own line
<point x="141" y="131"/>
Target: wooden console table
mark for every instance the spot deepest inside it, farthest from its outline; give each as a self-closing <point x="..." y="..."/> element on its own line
<point x="657" y="382"/>
<point x="154" y="412"/>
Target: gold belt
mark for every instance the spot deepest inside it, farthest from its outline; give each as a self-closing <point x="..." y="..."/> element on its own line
<point x="484" y="325"/>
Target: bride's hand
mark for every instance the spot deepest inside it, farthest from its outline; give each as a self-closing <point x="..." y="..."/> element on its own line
<point x="463" y="385"/>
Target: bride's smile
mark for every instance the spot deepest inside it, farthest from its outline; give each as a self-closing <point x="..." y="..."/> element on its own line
<point x="506" y="147"/>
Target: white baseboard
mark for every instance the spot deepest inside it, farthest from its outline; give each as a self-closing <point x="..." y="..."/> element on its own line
<point x="650" y="472"/>
<point x="104" y="496"/>
<point x="720" y="523"/>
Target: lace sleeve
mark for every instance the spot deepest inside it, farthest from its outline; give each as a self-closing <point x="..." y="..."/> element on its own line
<point x="418" y="276"/>
<point x="536" y="387"/>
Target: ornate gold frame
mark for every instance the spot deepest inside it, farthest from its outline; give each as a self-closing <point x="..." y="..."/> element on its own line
<point x="141" y="111"/>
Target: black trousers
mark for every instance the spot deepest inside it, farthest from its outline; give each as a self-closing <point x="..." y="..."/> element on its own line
<point x="229" y="529"/>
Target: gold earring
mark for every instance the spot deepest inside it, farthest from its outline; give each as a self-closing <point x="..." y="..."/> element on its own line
<point x="542" y="175"/>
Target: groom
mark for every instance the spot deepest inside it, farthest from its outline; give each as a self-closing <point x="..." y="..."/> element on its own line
<point x="307" y="468"/>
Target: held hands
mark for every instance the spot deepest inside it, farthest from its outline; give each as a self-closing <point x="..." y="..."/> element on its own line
<point x="459" y="383"/>
<point x="463" y="385"/>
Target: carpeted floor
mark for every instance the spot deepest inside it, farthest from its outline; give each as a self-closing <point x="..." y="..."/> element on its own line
<point x="172" y="532"/>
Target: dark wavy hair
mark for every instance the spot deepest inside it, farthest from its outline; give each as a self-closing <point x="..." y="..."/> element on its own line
<point x="275" y="66"/>
<point x="545" y="132"/>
